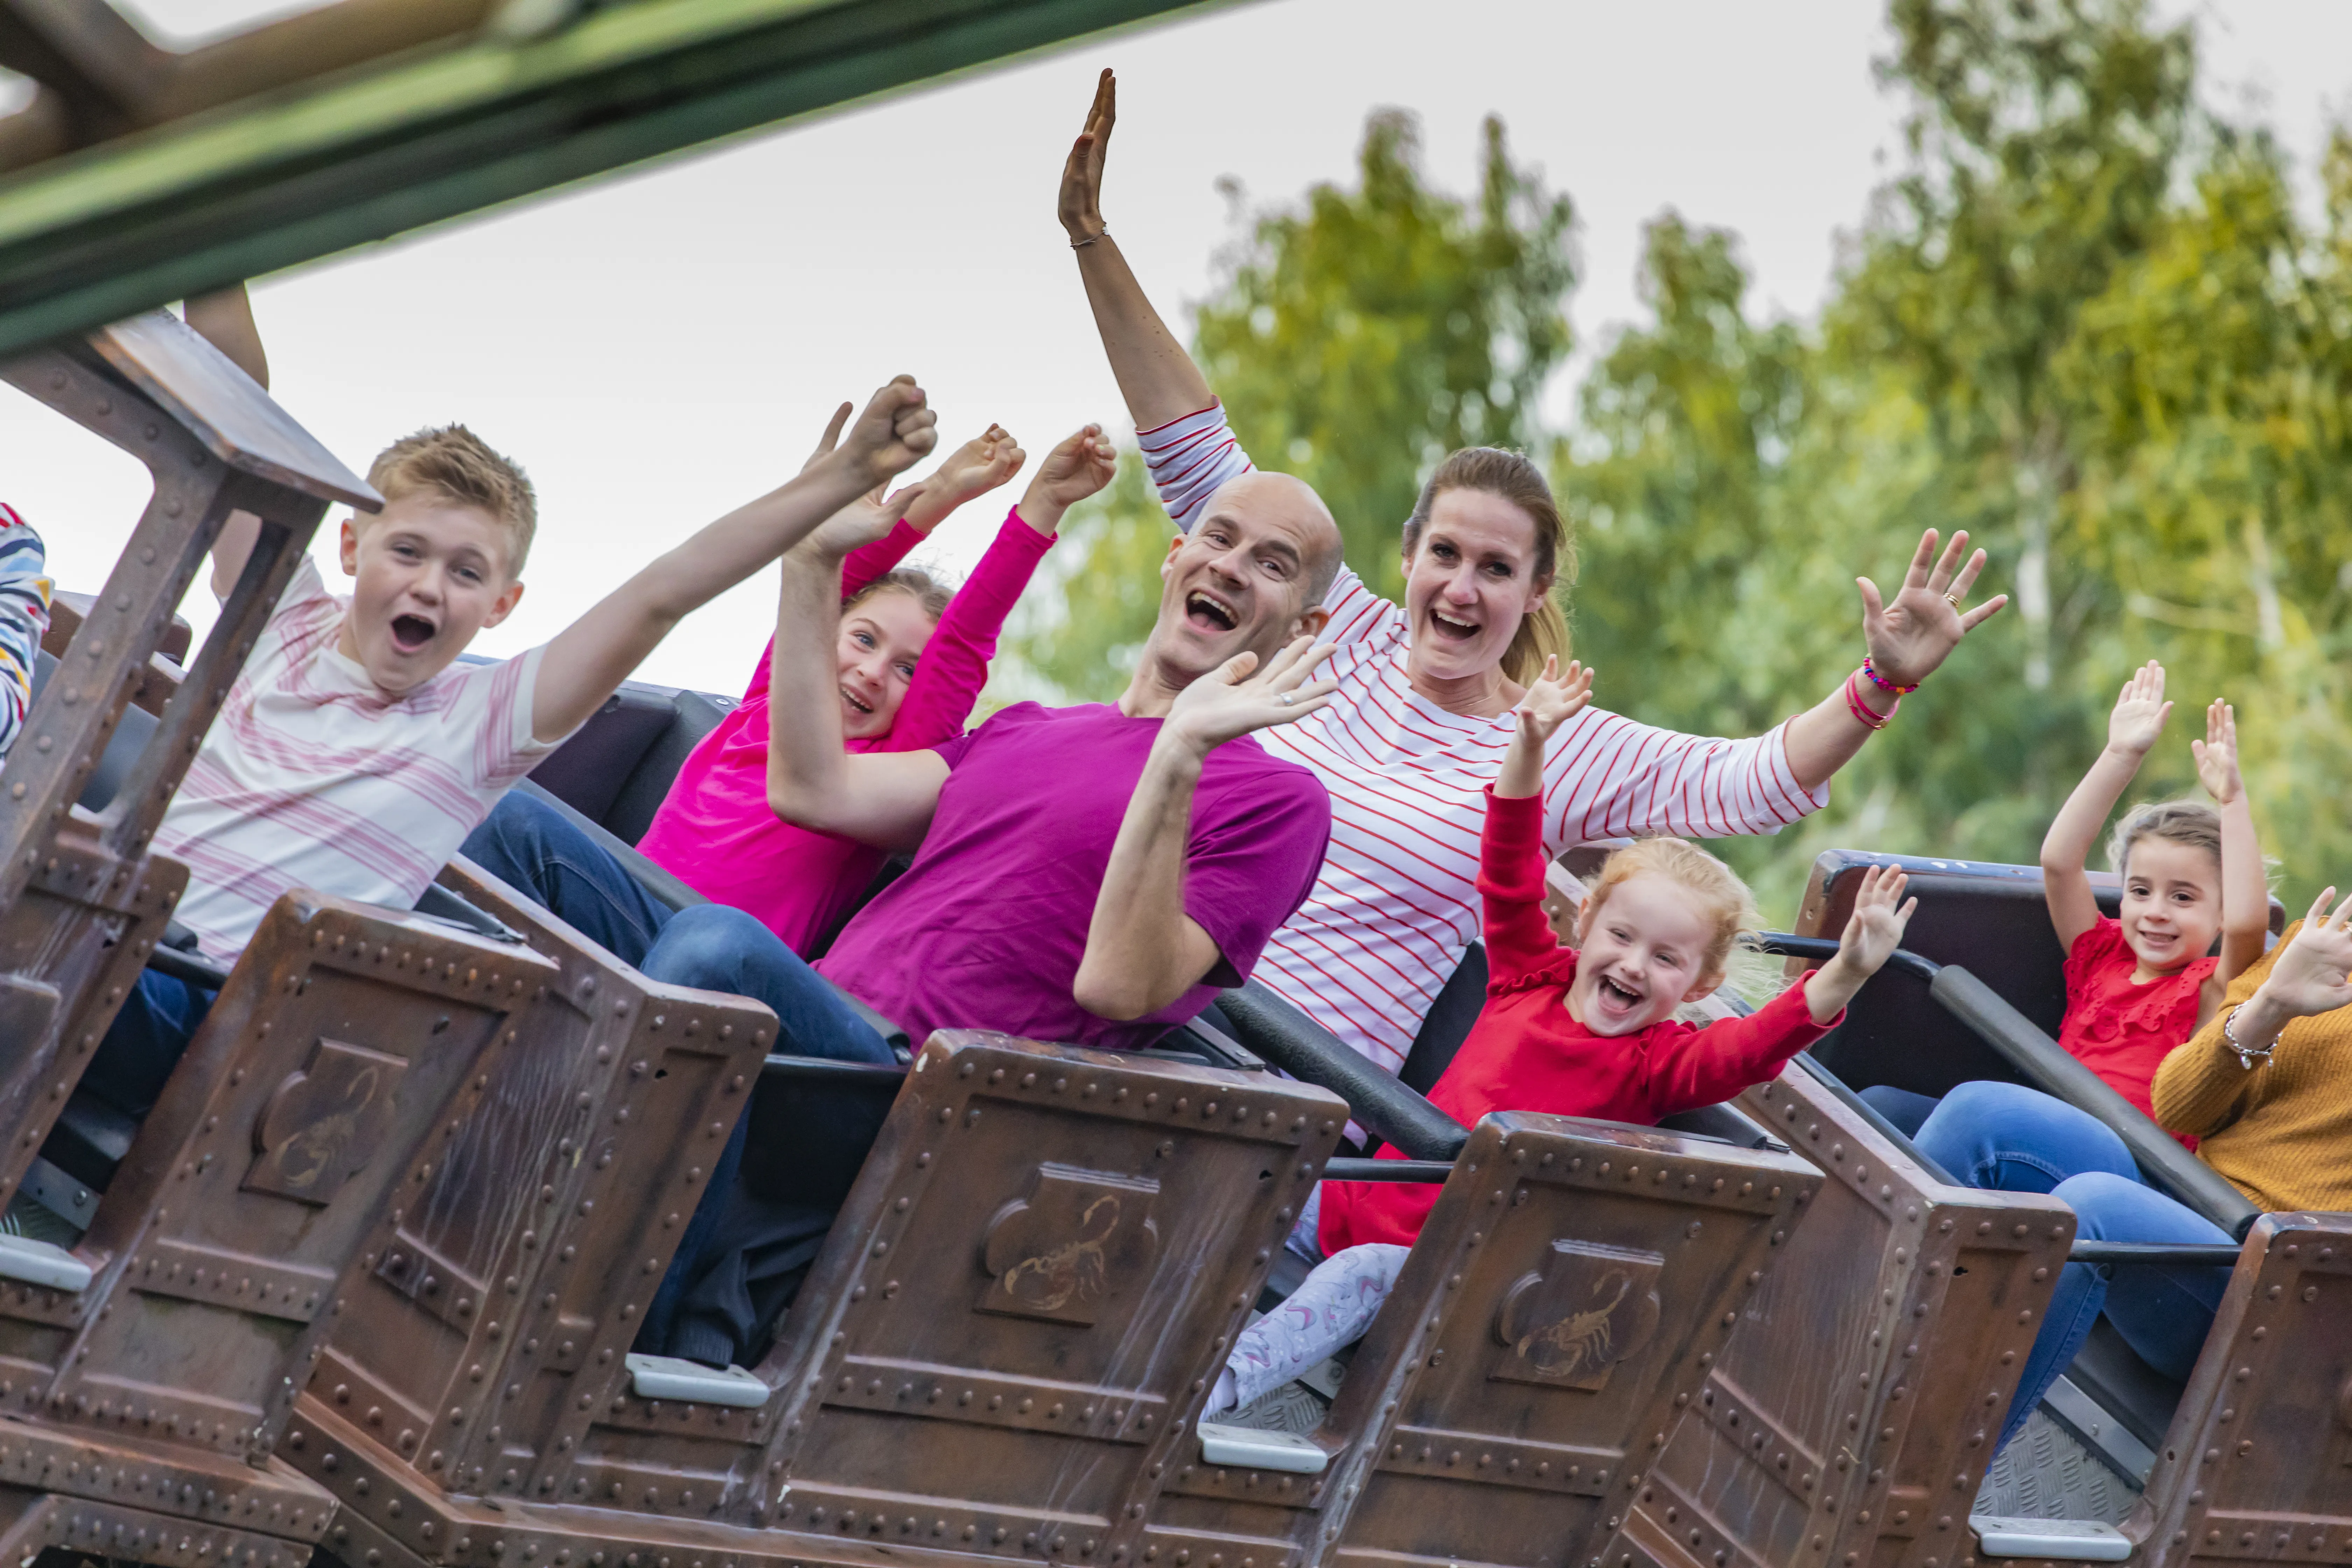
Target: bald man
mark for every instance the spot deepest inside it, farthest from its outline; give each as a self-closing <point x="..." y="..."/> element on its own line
<point x="1091" y="876"/>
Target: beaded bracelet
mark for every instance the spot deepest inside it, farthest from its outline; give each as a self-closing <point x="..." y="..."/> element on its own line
<point x="1883" y="684"/>
<point x="1861" y="710"/>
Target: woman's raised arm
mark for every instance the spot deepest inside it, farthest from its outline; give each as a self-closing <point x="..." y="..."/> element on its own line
<point x="1156" y="376"/>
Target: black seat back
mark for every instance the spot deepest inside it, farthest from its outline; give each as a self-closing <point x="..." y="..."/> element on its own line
<point x="122" y="748"/>
<point x="1990" y="920"/>
<point x="1448" y="1023"/>
<point x="618" y="768"/>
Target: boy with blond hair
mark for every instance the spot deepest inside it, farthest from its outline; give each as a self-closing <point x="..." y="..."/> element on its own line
<point x="354" y="753"/>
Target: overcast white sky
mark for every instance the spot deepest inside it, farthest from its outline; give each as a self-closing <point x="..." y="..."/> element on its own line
<point x="658" y="347"/>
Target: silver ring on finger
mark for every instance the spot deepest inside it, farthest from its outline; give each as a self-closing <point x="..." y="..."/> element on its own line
<point x="1283" y="698"/>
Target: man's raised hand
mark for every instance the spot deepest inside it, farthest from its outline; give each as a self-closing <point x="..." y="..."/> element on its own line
<point x="1910" y="638"/>
<point x="1082" y="172"/>
<point x="891" y="435"/>
<point x="2217" y="754"/>
<point x="1237" y="697"/>
<point x="1080" y="466"/>
<point x="1553" y="699"/>
<point x="2141" y="713"/>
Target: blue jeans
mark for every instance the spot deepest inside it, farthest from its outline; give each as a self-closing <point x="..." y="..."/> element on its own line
<point x="739" y="1253"/>
<point x="2007" y="1138"/>
<point x="145" y="1042"/>
<point x="1904" y="1111"/>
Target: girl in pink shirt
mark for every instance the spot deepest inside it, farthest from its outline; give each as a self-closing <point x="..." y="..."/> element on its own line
<point x="912" y="661"/>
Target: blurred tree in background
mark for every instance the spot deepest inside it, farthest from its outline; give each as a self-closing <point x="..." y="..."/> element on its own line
<point x="2085" y="322"/>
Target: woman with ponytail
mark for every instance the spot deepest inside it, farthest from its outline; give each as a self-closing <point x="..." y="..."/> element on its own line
<point x="1427" y="688"/>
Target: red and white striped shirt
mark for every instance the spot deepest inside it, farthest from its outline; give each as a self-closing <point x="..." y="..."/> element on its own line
<point x="1397" y="902"/>
<point x="312" y="778"/>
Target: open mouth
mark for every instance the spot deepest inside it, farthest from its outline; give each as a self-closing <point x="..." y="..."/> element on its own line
<point x="850" y="700"/>
<point x="410" y="633"/>
<point x="1617" y="999"/>
<point x="1451" y="629"/>
<point x="1210" y="613"/>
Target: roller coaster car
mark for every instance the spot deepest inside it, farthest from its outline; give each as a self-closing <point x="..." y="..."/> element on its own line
<point x="2249" y="1459"/>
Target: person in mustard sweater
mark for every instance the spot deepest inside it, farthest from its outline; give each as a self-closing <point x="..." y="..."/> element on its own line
<point x="2259" y="1085"/>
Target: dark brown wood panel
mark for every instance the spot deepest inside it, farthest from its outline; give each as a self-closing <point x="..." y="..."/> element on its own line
<point x="509" y="1289"/>
<point x="1564" y="1301"/>
<point x="1075" y="1232"/>
<point x="1850" y="1418"/>
<point x="2257" y="1467"/>
<point x="334" y="1054"/>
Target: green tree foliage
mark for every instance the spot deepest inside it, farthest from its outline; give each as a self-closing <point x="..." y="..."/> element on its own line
<point x="2086" y="321"/>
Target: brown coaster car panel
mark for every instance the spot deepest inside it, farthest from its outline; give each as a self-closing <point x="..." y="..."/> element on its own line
<point x="81" y="902"/>
<point x="1572" y="1285"/>
<point x="491" y="1331"/>
<point x="997" y="1354"/>
<point x="1852" y="1416"/>
<point x="224" y="1249"/>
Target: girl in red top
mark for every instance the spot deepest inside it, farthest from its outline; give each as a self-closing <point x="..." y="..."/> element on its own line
<point x="2139" y="985"/>
<point x="1583" y="1031"/>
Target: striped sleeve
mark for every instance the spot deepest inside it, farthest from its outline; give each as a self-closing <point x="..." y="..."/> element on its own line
<point x="24" y="616"/>
<point x="1190" y="460"/>
<point x="1609" y="777"/>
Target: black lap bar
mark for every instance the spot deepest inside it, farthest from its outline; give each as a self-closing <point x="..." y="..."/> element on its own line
<point x="1288" y="1039"/>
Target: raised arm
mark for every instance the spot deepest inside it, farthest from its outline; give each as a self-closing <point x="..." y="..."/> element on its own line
<point x="954" y="665"/>
<point x="589" y="658"/>
<point x="2245" y="891"/>
<point x="1511" y="860"/>
<point x="1908" y="641"/>
<point x="1143" y="951"/>
<point x="225" y="320"/>
<point x="1156" y="376"/>
<point x="2207" y="1083"/>
<point x="2135" y="726"/>
<point x="882" y="798"/>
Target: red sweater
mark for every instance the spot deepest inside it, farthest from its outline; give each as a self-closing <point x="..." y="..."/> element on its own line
<point x="1526" y="1053"/>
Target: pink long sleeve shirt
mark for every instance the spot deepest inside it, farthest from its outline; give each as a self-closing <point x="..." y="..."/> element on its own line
<point x="716" y="830"/>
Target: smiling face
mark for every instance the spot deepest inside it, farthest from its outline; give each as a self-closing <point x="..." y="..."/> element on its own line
<point x="428" y="573"/>
<point x="1470" y="579"/>
<point x="1248" y="578"/>
<point x="2172" y="904"/>
<point x="1644" y="955"/>
<point x="882" y="634"/>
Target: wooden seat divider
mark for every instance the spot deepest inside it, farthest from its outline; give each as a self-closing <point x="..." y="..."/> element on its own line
<point x="1573" y="1281"/>
<point x="2257" y="1465"/>
<point x="1850" y="1420"/>
<point x="150" y="1404"/>
<point x="997" y="1354"/>
<point x="82" y="902"/>
<point x="502" y="1300"/>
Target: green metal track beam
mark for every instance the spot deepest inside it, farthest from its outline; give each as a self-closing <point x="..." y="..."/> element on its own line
<point x="99" y="234"/>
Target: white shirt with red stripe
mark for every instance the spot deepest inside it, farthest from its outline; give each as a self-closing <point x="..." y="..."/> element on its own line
<point x="1397" y="902"/>
<point x="312" y="778"/>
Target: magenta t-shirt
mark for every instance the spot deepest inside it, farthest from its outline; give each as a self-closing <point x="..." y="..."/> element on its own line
<point x="986" y="929"/>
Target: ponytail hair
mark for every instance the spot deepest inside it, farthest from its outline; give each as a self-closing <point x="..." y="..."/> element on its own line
<point x="1543" y="631"/>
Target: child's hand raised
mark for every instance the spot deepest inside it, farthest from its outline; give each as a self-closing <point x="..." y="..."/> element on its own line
<point x="861" y="522"/>
<point x="976" y="468"/>
<point x="1872" y="935"/>
<point x="891" y="435"/>
<point x="2217" y="754"/>
<point x="1553" y="699"/>
<point x="1880" y="916"/>
<point x="2140" y="712"/>
<point x="1071" y="472"/>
